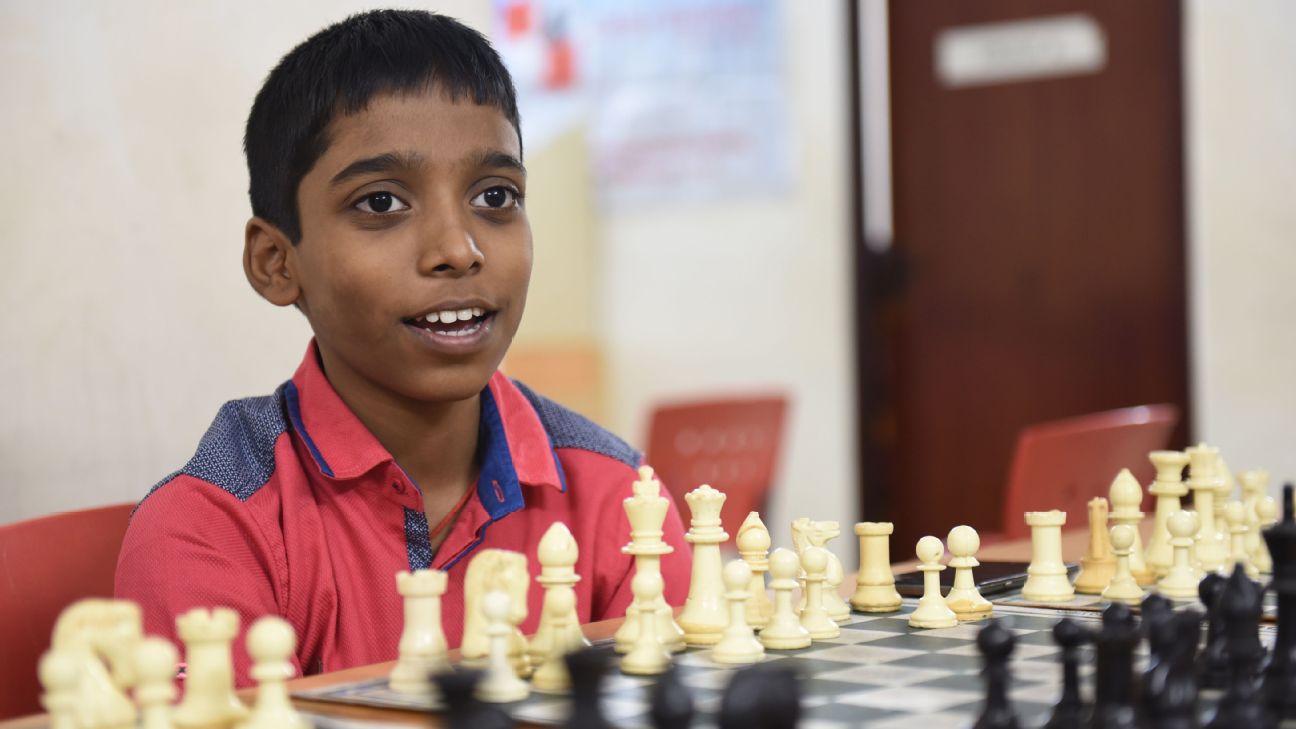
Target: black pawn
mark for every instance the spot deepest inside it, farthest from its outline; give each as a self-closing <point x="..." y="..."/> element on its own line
<point x="1169" y="697"/>
<point x="671" y="705"/>
<point x="1239" y="608"/>
<point x="1114" y="679"/>
<point x="996" y="645"/>
<point x="462" y="709"/>
<point x="762" y="696"/>
<point x="586" y="668"/>
<point x="1280" y="673"/>
<point x="1212" y="664"/>
<point x="1069" y="712"/>
<point x="1154" y="606"/>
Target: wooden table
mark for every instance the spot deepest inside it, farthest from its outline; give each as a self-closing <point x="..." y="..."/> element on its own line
<point x="1074" y="544"/>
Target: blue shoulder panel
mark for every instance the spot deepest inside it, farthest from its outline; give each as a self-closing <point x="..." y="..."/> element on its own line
<point x="569" y="429"/>
<point x="237" y="452"/>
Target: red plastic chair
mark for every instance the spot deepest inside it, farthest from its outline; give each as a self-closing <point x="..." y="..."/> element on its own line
<point x="731" y="444"/>
<point x="45" y="565"/>
<point x="1062" y="464"/>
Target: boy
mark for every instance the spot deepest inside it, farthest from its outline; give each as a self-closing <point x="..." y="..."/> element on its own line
<point x="387" y="192"/>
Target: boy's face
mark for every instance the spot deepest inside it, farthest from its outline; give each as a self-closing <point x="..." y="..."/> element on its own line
<point x="415" y="253"/>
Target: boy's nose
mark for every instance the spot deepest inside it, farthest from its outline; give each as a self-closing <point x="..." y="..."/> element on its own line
<point x="452" y="252"/>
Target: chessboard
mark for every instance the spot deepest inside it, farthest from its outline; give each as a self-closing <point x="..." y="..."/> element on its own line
<point x="878" y="674"/>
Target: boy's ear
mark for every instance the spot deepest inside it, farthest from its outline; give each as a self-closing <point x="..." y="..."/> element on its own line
<point x="268" y="262"/>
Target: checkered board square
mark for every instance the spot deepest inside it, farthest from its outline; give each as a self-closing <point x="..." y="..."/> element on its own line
<point x="878" y="674"/>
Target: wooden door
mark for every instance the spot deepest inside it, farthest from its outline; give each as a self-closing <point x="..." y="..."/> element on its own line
<point x="1037" y="269"/>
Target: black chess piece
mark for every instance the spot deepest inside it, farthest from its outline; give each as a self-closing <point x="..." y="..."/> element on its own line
<point x="586" y="668"/>
<point x="1154" y="606"/>
<point x="671" y="705"/>
<point x="1069" y="713"/>
<point x="1239" y="610"/>
<point x="1280" y="673"/>
<point x="1114" y="679"/>
<point x="462" y="709"/>
<point x="1212" y="664"/>
<point x="996" y="644"/>
<point x="1169" y="696"/>
<point x="762" y="696"/>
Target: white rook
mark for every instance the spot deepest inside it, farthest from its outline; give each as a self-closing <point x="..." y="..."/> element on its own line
<point x="875" y="584"/>
<point x="1047" y="575"/>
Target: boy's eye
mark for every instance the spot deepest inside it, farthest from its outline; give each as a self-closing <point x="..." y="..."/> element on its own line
<point x="498" y="198"/>
<point x="380" y="202"/>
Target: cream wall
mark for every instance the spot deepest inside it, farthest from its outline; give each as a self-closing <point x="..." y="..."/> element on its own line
<point x="1241" y="111"/>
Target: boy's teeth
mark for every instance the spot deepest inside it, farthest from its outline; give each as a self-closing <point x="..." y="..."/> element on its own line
<point x="449" y="317"/>
<point x="478" y="311"/>
<point x="465" y="314"/>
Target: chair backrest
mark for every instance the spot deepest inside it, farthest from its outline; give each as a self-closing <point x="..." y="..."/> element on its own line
<point x="1062" y="464"/>
<point x="732" y="445"/>
<point x="45" y="565"/>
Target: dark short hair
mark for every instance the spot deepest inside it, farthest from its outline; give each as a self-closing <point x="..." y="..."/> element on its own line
<point x="337" y="71"/>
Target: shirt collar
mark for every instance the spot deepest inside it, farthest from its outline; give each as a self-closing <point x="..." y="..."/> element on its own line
<point x="516" y="447"/>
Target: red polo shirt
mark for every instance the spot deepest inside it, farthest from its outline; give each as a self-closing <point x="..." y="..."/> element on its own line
<point x="291" y="507"/>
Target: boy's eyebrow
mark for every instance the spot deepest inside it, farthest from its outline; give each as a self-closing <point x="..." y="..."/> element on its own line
<point x="496" y="158"/>
<point x="379" y="163"/>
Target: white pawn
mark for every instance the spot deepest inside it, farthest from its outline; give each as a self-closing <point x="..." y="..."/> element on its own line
<point x="270" y="642"/>
<point x="1181" y="581"/>
<point x="1126" y="496"/>
<point x="1123" y="586"/>
<point x="155" y="673"/>
<point x="552" y="676"/>
<point x="738" y="645"/>
<point x="932" y="612"/>
<point x="814" y="616"/>
<point x="784" y="631"/>
<point x="422" y="646"/>
<point x="500" y="685"/>
<point x="1235" y="517"/>
<point x="648" y="656"/>
<point x="964" y="598"/>
<point x="1047" y="575"/>
<point x="1267" y="514"/>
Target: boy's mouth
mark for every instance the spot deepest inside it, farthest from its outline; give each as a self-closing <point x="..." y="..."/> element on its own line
<point x="453" y="322"/>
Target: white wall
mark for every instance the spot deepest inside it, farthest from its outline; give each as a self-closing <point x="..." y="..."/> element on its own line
<point x="1240" y="63"/>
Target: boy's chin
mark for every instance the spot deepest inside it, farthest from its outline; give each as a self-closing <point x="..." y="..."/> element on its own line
<point x="451" y="385"/>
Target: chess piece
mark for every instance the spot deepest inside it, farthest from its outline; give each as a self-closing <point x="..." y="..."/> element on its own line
<point x="458" y="690"/>
<point x="784" y="631"/>
<point x="99" y="636"/>
<point x="1123" y="586"/>
<point x="670" y="704"/>
<point x="1046" y="579"/>
<point x="765" y="695"/>
<point x="1254" y="485"/>
<point x="1239" y="608"/>
<point x="1098" y="565"/>
<point x="1169" y="690"/>
<point x="1267" y="515"/>
<point x="60" y="674"/>
<point x="1181" y="581"/>
<point x="550" y="675"/>
<point x="739" y="645"/>
<point x="964" y="598"/>
<point x="1280" y="673"/>
<point x="1114" y="677"/>
<point x="586" y="668"/>
<point x="1212" y="664"/>
<point x="271" y="643"/>
<point x="646" y="510"/>
<point x="1210" y="547"/>
<point x="932" y="612"/>
<point x="1126" y="495"/>
<point x="557" y="554"/>
<point x="806" y="533"/>
<point x="422" y="647"/>
<point x="753" y="546"/>
<point x="1069" y="711"/>
<point x="995" y="642"/>
<point x="155" y="668"/>
<point x="875" y="583"/>
<point x="1168" y="489"/>
<point x="704" y="617"/>
<point x="501" y="684"/>
<point x="493" y="570"/>
<point x="814" y="617"/>
<point x="209" y="673"/>
<point x="1235" y="517"/>
<point x="648" y="656"/>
